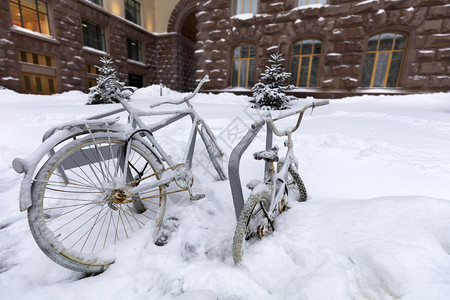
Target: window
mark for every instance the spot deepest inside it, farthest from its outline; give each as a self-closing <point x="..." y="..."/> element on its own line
<point x="30" y="14"/>
<point x="98" y="2"/>
<point x="384" y="58"/>
<point x="243" y="73"/>
<point x="37" y="59"/>
<point x="305" y="62"/>
<point x="133" y="11"/>
<point x="308" y="2"/>
<point x="135" y="80"/>
<point x="38" y="84"/>
<point x="92" y="74"/>
<point x="93" y="35"/>
<point x="134" y="49"/>
<point x="246" y="6"/>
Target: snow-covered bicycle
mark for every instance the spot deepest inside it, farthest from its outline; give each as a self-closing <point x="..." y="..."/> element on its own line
<point x="105" y="180"/>
<point x="282" y="183"/>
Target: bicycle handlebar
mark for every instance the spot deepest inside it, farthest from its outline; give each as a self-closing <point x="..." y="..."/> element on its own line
<point x="184" y="99"/>
<point x="269" y="120"/>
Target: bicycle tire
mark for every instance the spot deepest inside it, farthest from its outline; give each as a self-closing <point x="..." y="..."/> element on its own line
<point x="297" y="180"/>
<point x="210" y="145"/>
<point x="242" y="228"/>
<point x="70" y="234"/>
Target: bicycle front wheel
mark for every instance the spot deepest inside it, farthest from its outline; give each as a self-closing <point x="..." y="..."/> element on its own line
<point x="250" y="223"/>
<point x="81" y="206"/>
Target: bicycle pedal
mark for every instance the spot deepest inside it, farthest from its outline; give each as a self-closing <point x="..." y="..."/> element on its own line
<point x="196" y="197"/>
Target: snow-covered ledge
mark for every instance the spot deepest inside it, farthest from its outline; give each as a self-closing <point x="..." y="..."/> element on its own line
<point x="136" y="62"/>
<point x="94" y="51"/>
<point x="33" y="34"/>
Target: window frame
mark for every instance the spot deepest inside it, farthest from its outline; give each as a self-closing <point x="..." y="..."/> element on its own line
<point x="240" y="59"/>
<point x="138" y="49"/>
<point x="390" y="52"/>
<point x="300" y="58"/>
<point x="135" y="7"/>
<point x="35" y="10"/>
<point x="253" y="7"/>
<point x="86" y="42"/>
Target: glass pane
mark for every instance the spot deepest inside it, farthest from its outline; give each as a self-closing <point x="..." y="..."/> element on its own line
<point x="246" y="6"/>
<point x="307" y="46"/>
<point x="296" y="50"/>
<point x="368" y="68"/>
<point x="314" y="71"/>
<point x="373" y="42"/>
<point x="23" y="56"/>
<point x="48" y="61"/>
<point x="294" y="70"/>
<point x="27" y="83"/>
<point x="400" y="41"/>
<point x="236" y="52"/>
<point x="28" y="3"/>
<point x="38" y="84"/>
<point x="243" y="74"/>
<point x="386" y="41"/>
<point x="251" y="73"/>
<point x="301" y="2"/>
<point x="394" y="69"/>
<point x="42" y="7"/>
<point x="380" y="71"/>
<point x="234" y="81"/>
<point x="252" y="51"/>
<point x="238" y="7"/>
<point x="43" y="20"/>
<point x="15" y="14"/>
<point x="35" y="59"/>
<point x="30" y="20"/>
<point x="317" y="46"/>
<point x="244" y="51"/>
<point x="304" y="72"/>
<point x="51" y="85"/>
<point x="254" y="6"/>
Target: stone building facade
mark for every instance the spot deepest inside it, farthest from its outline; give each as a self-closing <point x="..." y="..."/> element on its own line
<point x="62" y="59"/>
<point x="344" y="28"/>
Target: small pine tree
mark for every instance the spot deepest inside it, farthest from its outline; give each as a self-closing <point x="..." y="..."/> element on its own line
<point x="108" y="89"/>
<point x="273" y="93"/>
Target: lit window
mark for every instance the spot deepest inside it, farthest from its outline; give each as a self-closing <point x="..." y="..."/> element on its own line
<point x="384" y="58"/>
<point x="37" y="59"/>
<point x="93" y="35"/>
<point x="305" y="62"/>
<point x="30" y="14"/>
<point x="308" y="2"/>
<point x="246" y="6"/>
<point x="134" y="49"/>
<point x="38" y="84"/>
<point x="243" y="73"/>
<point x="133" y="11"/>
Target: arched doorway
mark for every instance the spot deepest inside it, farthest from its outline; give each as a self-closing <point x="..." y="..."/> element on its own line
<point x="184" y="22"/>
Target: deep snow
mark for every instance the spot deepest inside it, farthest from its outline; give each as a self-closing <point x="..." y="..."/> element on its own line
<point x="376" y="224"/>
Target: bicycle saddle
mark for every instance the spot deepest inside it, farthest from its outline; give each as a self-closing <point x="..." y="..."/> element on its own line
<point x="268" y="155"/>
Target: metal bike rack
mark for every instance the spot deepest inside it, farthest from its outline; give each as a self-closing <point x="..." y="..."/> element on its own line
<point x="234" y="164"/>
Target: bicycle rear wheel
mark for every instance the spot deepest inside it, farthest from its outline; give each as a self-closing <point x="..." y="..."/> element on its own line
<point x="80" y="206"/>
<point x="249" y="224"/>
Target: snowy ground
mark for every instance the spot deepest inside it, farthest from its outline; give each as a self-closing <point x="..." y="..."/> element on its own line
<point x="376" y="225"/>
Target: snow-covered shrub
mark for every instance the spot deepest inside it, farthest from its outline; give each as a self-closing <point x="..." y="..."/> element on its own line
<point x="108" y="89"/>
<point x="272" y="94"/>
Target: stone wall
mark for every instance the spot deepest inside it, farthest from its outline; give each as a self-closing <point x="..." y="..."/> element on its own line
<point x="344" y="27"/>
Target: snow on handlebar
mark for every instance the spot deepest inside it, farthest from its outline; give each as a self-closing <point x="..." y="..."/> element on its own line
<point x="184" y="99"/>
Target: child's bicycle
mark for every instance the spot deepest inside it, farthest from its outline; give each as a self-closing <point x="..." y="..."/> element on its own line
<point x="104" y="181"/>
<point x="282" y="183"/>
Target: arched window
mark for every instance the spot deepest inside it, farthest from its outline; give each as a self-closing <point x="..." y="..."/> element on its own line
<point x="384" y="58"/>
<point x="243" y="73"/>
<point x="308" y="2"/>
<point x="246" y="6"/>
<point x="305" y="62"/>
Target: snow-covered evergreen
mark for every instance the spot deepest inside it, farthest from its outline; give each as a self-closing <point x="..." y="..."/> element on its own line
<point x="108" y="89"/>
<point x="272" y="94"/>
